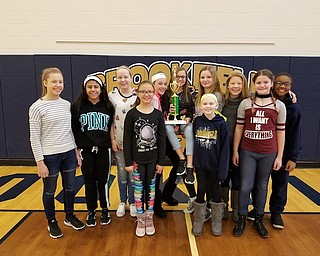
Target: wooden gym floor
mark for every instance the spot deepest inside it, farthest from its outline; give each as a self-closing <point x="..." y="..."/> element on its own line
<point x="23" y="228"/>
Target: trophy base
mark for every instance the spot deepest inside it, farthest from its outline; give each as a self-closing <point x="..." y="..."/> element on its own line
<point x="175" y="122"/>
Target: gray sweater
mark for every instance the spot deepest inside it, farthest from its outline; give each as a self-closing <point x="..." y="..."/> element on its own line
<point x="230" y="112"/>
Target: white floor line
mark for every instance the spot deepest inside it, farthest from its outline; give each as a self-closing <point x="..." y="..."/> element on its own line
<point x="192" y="239"/>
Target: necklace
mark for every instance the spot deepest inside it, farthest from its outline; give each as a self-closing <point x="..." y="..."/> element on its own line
<point x="263" y="96"/>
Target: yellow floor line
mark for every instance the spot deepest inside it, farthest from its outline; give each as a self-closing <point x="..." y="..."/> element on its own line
<point x="192" y="239"/>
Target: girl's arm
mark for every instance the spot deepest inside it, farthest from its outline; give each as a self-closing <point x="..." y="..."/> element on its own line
<point x="190" y="109"/>
<point x="127" y="139"/>
<point x="280" y="143"/>
<point x="236" y="143"/>
<point x="35" y="140"/>
<point x="114" y="143"/>
<point x="161" y="134"/>
<point x="225" y="153"/>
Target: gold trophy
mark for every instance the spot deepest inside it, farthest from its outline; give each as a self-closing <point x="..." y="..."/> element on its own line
<point x="175" y="101"/>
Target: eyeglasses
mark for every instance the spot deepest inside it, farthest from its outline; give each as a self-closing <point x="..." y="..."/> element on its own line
<point x="181" y="77"/>
<point x="278" y="83"/>
<point x="146" y="92"/>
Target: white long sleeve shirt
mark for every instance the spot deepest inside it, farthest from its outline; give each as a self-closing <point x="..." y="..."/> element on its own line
<point x="50" y="127"/>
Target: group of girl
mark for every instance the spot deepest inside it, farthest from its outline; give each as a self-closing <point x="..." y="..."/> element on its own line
<point x="132" y="123"/>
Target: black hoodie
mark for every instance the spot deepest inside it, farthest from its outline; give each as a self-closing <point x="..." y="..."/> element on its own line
<point x="91" y="126"/>
<point x="211" y="145"/>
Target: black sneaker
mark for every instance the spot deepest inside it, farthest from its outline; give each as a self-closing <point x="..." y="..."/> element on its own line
<point x="91" y="219"/>
<point x="252" y="214"/>
<point x="170" y="201"/>
<point x="181" y="167"/>
<point x="160" y="213"/>
<point x="189" y="178"/>
<point x="208" y="214"/>
<point x="74" y="222"/>
<point x="54" y="230"/>
<point x="277" y="221"/>
<point x="105" y="217"/>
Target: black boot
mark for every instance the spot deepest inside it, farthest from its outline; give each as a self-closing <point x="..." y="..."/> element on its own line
<point x="258" y="223"/>
<point x="241" y="224"/>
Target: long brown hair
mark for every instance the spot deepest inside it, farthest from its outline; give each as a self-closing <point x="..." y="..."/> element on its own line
<point x="185" y="87"/>
<point x="269" y="74"/>
<point x="215" y="83"/>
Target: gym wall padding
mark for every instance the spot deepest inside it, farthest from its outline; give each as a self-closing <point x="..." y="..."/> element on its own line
<point x="20" y="86"/>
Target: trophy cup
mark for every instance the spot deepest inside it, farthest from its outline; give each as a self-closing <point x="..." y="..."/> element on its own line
<point x="175" y="101"/>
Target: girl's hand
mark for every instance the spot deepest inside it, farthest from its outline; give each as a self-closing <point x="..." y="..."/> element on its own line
<point x="290" y="166"/>
<point x="293" y="97"/>
<point x="235" y="159"/>
<point x="115" y="145"/>
<point x="188" y="120"/>
<point x="277" y="164"/>
<point x="129" y="168"/>
<point x="159" y="169"/>
<point x="43" y="171"/>
<point x="172" y="109"/>
<point x="79" y="159"/>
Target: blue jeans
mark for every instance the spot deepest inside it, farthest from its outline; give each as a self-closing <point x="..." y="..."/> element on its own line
<point x="65" y="163"/>
<point x="255" y="170"/>
<point x="188" y="134"/>
<point x="125" y="179"/>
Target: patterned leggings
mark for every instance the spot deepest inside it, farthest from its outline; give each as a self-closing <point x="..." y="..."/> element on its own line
<point x="144" y="177"/>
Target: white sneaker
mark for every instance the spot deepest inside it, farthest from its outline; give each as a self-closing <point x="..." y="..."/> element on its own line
<point x="133" y="210"/>
<point x="121" y="210"/>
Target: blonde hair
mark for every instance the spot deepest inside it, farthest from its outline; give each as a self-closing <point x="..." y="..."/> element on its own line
<point x="209" y="96"/>
<point x="45" y="74"/>
<point x="245" y="91"/>
<point x="126" y="68"/>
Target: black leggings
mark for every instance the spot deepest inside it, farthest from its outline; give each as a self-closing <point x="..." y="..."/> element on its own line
<point x="208" y="184"/>
<point x="95" y="171"/>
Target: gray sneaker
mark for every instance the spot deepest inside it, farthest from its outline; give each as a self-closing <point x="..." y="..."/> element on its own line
<point x="190" y="207"/>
